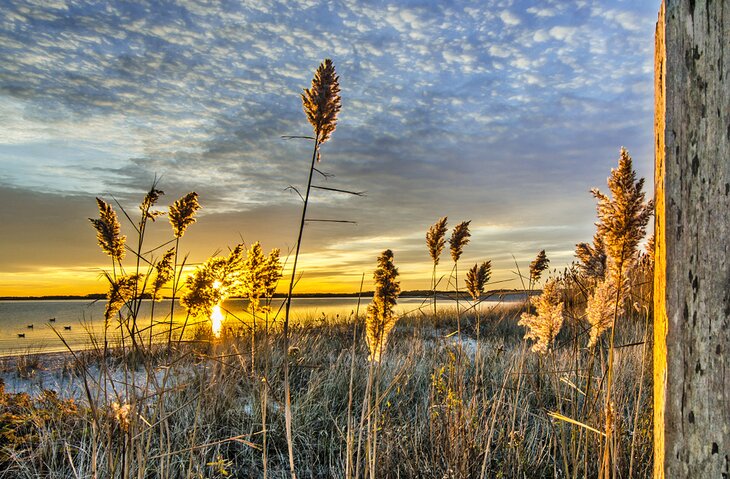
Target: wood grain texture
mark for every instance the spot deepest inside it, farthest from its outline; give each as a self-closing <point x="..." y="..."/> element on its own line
<point x="660" y="312"/>
<point x="693" y="268"/>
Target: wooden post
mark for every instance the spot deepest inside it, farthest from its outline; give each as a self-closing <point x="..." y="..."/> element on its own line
<point x="692" y="265"/>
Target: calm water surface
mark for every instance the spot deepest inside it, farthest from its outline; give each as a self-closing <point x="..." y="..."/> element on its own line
<point x="74" y="320"/>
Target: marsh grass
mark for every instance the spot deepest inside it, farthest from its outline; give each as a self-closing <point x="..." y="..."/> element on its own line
<point x="214" y="407"/>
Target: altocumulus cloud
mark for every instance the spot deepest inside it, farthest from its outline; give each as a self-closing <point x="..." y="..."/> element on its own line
<point x="503" y="112"/>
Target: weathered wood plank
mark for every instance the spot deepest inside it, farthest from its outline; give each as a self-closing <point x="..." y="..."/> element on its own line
<point x="660" y="312"/>
<point x="693" y="221"/>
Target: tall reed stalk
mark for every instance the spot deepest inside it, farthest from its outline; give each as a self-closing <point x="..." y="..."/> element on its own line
<point x="380" y="322"/>
<point x="622" y="224"/>
<point x="435" y="241"/>
<point x="181" y="215"/>
<point x="459" y="239"/>
<point x="321" y="104"/>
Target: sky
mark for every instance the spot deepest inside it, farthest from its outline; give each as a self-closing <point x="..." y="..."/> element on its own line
<point x="502" y="112"/>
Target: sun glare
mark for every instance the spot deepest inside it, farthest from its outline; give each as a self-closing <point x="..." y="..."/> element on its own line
<point x="216" y="318"/>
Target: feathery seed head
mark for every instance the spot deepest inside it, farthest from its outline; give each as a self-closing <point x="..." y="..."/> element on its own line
<point x="164" y="269"/>
<point x="107" y="231"/>
<point x="121" y="292"/>
<point x="459" y="239"/>
<point x="261" y="273"/>
<point x="214" y="281"/>
<point x="273" y="270"/>
<point x="477" y="277"/>
<point x="182" y="213"/>
<point x="544" y="326"/>
<point x="601" y="308"/>
<point x="623" y="216"/>
<point x="538" y="265"/>
<point x="322" y="101"/>
<point x="592" y="258"/>
<point x="435" y="239"/>
<point x="651" y="249"/>
<point x="380" y="315"/>
<point x="121" y="414"/>
<point x="148" y="202"/>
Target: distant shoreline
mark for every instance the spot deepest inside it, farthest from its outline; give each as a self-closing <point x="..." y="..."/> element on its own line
<point x="419" y="293"/>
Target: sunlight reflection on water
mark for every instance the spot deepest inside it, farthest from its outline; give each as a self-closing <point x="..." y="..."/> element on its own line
<point x="77" y="320"/>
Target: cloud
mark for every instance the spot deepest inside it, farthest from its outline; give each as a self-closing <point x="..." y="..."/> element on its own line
<point x="509" y="18"/>
<point x="542" y="12"/>
<point x="501" y="112"/>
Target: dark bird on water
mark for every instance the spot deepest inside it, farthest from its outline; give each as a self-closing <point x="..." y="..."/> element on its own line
<point x="30" y="326"/>
<point x="67" y="328"/>
<point x="21" y="335"/>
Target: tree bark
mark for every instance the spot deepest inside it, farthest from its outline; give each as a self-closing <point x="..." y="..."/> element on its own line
<point x="692" y="267"/>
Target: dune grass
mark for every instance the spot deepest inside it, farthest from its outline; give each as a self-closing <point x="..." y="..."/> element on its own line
<point x="431" y="422"/>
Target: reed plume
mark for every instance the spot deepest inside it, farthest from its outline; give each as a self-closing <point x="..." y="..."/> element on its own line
<point x="538" y="265"/>
<point x="592" y="258"/>
<point x="274" y="272"/>
<point x="601" y="309"/>
<point x="321" y="105"/>
<point x="121" y="291"/>
<point x="164" y="271"/>
<point x="203" y="292"/>
<point x="459" y="239"/>
<point x="435" y="239"/>
<point x="322" y="101"/>
<point x="622" y="224"/>
<point x="121" y="415"/>
<point x="182" y="213"/>
<point x="260" y="276"/>
<point x="651" y="246"/>
<point x="650" y="250"/>
<point x="544" y="326"/>
<point x="214" y="281"/>
<point x="380" y="315"/>
<point x="623" y="216"/>
<point x="108" y="231"/>
<point x="477" y="277"/>
<point x="148" y="202"/>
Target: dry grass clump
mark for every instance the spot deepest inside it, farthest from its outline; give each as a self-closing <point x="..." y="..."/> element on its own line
<point x="425" y="426"/>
